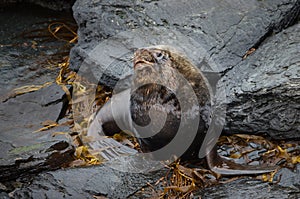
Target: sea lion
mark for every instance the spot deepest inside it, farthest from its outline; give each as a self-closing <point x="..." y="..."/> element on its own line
<point x="161" y="93"/>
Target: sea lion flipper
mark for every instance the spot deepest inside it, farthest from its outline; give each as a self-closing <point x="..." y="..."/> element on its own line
<point x="113" y="117"/>
<point x="227" y="167"/>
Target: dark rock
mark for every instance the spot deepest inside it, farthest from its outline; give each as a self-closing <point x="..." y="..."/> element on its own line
<point x="248" y="189"/>
<point x="25" y="46"/>
<point x="261" y="96"/>
<point x="110" y="183"/>
<point x="288" y="178"/>
<point x="22" y="115"/>
<point x="30" y="160"/>
<point x="225" y="29"/>
<point x="4" y="195"/>
<point x="86" y="183"/>
<point x="222" y="32"/>
<point x="24" y="152"/>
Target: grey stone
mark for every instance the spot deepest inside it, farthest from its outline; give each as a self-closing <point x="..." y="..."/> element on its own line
<point x="247" y="189"/>
<point x="226" y="29"/>
<point x="22" y="115"/>
<point x="86" y="183"/>
<point x="110" y="183"/>
<point x="23" y="151"/>
<point x="261" y="97"/>
<point x="4" y="195"/>
<point x="25" y="49"/>
<point x="30" y="160"/>
<point x="289" y="178"/>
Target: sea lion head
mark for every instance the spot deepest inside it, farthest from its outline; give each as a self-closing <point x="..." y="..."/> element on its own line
<point x="165" y="65"/>
<point x="154" y="65"/>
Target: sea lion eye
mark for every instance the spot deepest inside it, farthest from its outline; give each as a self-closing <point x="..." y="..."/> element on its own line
<point x="160" y="56"/>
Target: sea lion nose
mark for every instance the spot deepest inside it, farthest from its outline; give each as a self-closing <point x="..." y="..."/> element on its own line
<point x="143" y="55"/>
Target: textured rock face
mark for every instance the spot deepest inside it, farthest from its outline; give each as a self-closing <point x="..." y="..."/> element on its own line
<point x="226" y="29"/>
<point x="239" y="190"/>
<point x="262" y="91"/>
<point x="23" y="151"/>
<point x="86" y="183"/>
<point x="102" y="181"/>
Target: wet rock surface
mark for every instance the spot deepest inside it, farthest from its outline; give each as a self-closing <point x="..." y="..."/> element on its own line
<point x="24" y="152"/>
<point x="264" y="90"/>
<point x="111" y="183"/>
<point x="86" y="183"/>
<point x="226" y="29"/>
<point x="109" y="31"/>
<point x="247" y="188"/>
<point x="289" y="178"/>
<point x="24" y="59"/>
<point x="24" y="114"/>
<point x="286" y="185"/>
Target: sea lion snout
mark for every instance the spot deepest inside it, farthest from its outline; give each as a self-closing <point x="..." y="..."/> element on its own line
<point x="143" y="57"/>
